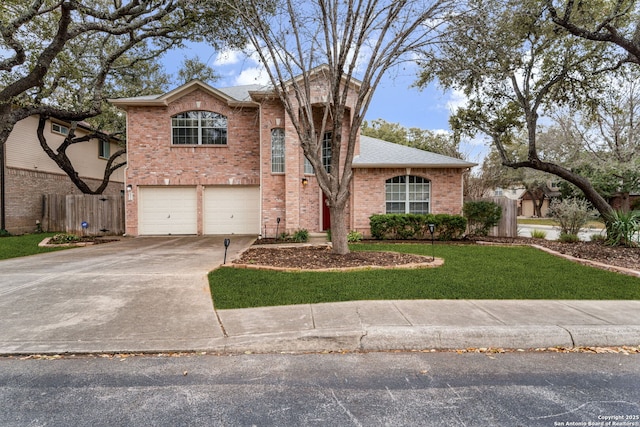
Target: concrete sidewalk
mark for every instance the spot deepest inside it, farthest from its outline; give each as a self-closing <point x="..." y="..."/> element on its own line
<point x="430" y="324"/>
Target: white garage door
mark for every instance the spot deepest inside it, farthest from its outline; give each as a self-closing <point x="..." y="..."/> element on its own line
<point x="232" y="210"/>
<point x="167" y="210"/>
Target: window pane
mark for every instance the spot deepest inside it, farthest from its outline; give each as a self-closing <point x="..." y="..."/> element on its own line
<point x="199" y="127"/>
<point x="326" y="151"/>
<point x="419" y="208"/>
<point x="277" y="150"/>
<point x="394" y="207"/>
<point x="407" y="194"/>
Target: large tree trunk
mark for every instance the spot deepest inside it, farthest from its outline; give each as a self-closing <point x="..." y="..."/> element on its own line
<point x="339" y="230"/>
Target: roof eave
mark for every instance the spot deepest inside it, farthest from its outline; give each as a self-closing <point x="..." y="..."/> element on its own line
<point x="411" y="165"/>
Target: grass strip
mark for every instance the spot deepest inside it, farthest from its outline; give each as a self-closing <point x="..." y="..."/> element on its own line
<point x="469" y="272"/>
<point x="27" y="244"/>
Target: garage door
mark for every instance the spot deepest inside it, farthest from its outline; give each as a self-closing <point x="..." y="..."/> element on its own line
<point x="167" y="210"/>
<point x="232" y="210"/>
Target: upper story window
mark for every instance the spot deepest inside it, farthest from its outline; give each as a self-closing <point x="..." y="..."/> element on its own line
<point x="326" y="151"/>
<point x="104" y="149"/>
<point x="408" y="194"/>
<point x="199" y="128"/>
<point x="277" y="150"/>
<point x="58" y="128"/>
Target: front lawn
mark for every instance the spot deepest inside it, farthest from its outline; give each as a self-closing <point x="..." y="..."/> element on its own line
<point x="17" y="246"/>
<point x="469" y="272"/>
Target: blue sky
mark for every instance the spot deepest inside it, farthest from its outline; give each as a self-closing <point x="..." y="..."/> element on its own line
<point x="394" y="100"/>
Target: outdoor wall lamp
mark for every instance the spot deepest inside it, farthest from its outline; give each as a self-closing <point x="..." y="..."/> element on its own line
<point x="305" y="181"/>
<point x="129" y="187"/>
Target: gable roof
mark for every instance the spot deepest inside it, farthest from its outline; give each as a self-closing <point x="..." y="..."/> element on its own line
<point x="234" y="96"/>
<point x="376" y="153"/>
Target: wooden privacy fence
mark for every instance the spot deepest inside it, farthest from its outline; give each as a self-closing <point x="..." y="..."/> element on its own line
<point x="84" y="214"/>
<point x="508" y="225"/>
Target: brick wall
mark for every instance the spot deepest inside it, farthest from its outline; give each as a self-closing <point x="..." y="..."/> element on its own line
<point x="152" y="160"/>
<point x="368" y="192"/>
<point x="24" y="191"/>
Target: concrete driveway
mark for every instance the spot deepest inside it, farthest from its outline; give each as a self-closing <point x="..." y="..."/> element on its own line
<point x="139" y="294"/>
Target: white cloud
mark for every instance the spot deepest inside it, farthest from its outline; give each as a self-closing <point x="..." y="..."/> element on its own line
<point x="228" y="57"/>
<point x="252" y="75"/>
<point x="457" y="99"/>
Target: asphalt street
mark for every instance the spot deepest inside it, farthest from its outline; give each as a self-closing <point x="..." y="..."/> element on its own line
<point x="355" y="389"/>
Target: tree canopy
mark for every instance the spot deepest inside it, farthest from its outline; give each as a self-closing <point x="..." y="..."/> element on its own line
<point x="64" y="58"/>
<point x="515" y="64"/>
<point x="344" y="44"/>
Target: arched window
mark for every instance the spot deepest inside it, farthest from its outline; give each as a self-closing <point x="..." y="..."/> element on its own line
<point x="277" y="150"/>
<point x="199" y="128"/>
<point x="408" y="194"/>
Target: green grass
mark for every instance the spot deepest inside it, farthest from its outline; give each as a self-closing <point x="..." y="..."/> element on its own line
<point x="469" y="272"/>
<point x="18" y="246"/>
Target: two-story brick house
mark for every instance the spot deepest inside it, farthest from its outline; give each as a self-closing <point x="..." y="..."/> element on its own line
<point x="203" y="160"/>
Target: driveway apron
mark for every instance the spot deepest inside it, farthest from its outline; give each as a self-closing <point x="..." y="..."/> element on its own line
<point x="139" y="294"/>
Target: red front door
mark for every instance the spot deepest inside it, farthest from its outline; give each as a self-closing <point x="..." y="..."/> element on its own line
<point x="326" y="217"/>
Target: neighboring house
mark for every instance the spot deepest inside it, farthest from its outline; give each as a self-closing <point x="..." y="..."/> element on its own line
<point x="541" y="197"/>
<point x="29" y="173"/>
<point x="203" y="160"/>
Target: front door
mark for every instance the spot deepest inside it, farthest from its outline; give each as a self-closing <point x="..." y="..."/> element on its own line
<point x="326" y="216"/>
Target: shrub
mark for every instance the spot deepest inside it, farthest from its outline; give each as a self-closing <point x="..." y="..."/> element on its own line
<point x="597" y="238"/>
<point x="569" y="238"/>
<point x="481" y="215"/>
<point x="571" y="214"/>
<point x="301" y="236"/>
<point x="354" y="236"/>
<point x="4" y="233"/>
<point x="622" y="227"/>
<point x="416" y="226"/>
<point x="538" y="234"/>
<point x="62" y="238"/>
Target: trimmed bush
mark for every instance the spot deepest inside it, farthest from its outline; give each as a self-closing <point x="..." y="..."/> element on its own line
<point x="481" y="215"/>
<point x="416" y="226"/>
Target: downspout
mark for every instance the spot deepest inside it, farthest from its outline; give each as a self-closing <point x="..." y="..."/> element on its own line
<point x="3" y="225"/>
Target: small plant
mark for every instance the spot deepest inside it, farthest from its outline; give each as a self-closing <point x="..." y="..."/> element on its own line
<point x="571" y="214"/>
<point x="569" y="238"/>
<point x="284" y="236"/>
<point x="62" y="238"/>
<point x="538" y="234"/>
<point x="328" y="235"/>
<point x="481" y="216"/>
<point x="622" y="228"/>
<point x="354" y="236"/>
<point x="597" y="238"/>
<point x="301" y="236"/>
<point x="4" y="233"/>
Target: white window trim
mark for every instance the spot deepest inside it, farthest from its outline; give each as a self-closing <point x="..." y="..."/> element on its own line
<point x="200" y="128"/>
<point x="61" y="129"/>
<point x="278" y="159"/>
<point x="407" y="201"/>
<point x="101" y="149"/>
